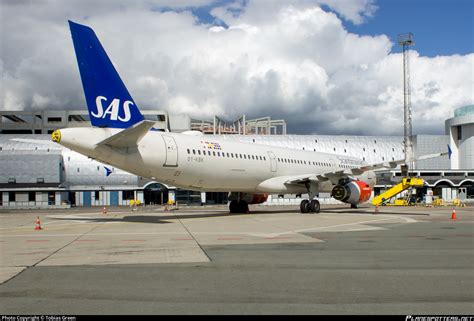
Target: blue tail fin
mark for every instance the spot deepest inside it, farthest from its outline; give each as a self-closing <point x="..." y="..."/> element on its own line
<point x="108" y="100"/>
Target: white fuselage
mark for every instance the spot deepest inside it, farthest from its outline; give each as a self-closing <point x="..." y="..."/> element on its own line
<point x="196" y="162"/>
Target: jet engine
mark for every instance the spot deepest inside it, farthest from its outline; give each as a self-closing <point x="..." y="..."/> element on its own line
<point x="353" y="192"/>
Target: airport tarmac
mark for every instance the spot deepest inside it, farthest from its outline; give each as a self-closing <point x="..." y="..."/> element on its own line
<point x="203" y="260"/>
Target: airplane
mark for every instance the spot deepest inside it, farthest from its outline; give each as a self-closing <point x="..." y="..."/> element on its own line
<point x="121" y="137"/>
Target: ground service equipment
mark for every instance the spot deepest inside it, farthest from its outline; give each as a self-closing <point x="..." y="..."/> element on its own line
<point x="406" y="183"/>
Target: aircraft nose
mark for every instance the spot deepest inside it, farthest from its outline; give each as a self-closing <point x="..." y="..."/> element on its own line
<point x="56" y="136"/>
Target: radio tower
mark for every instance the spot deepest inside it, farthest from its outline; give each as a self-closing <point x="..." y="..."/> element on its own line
<point x="405" y="40"/>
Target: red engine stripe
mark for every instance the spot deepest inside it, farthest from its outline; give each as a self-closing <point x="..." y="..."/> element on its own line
<point x="365" y="191"/>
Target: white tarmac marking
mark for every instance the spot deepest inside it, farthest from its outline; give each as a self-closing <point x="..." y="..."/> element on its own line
<point x="347" y="224"/>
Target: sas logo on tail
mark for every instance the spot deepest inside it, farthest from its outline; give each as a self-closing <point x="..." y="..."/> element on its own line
<point x="112" y="109"/>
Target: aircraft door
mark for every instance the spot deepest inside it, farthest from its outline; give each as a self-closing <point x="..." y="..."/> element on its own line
<point x="273" y="162"/>
<point x="171" y="151"/>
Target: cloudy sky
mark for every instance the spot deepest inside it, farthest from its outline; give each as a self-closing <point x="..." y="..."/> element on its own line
<point x="325" y="66"/>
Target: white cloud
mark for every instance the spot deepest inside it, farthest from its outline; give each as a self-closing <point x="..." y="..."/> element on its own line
<point x="290" y="60"/>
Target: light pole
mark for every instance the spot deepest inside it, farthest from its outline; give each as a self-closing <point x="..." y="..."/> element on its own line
<point x="405" y="40"/>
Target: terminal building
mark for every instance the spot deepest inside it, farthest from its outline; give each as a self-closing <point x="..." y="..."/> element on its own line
<point x="37" y="173"/>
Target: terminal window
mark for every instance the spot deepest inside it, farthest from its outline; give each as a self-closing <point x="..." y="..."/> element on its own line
<point x="459" y="129"/>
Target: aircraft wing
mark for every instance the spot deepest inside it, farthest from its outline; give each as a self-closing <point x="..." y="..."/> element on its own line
<point x="335" y="176"/>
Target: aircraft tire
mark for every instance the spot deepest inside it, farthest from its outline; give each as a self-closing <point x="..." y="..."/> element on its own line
<point x="234" y="207"/>
<point x="304" y="206"/>
<point x="243" y="207"/>
<point x="314" y="206"/>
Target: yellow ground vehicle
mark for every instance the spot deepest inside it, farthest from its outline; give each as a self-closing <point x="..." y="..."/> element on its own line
<point x="406" y="183"/>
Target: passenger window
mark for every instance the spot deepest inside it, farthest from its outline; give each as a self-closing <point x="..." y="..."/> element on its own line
<point x="245" y="156"/>
<point x="199" y="152"/>
<point x="228" y="155"/>
<point x="189" y="152"/>
<point x="213" y="153"/>
<point x="194" y="152"/>
<point x="218" y="154"/>
<point x="209" y="152"/>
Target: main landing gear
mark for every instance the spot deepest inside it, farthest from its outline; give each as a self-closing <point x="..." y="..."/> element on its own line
<point x="311" y="205"/>
<point x="307" y="206"/>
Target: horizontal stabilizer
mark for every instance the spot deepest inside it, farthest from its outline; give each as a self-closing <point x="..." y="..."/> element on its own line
<point x="129" y="137"/>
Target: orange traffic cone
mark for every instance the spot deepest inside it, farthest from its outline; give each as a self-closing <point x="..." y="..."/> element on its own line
<point x="104" y="210"/>
<point x="38" y="224"/>
<point x="453" y="214"/>
<point x="376" y="208"/>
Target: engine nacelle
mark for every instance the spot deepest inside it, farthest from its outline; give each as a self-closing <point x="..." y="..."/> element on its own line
<point x="354" y="192"/>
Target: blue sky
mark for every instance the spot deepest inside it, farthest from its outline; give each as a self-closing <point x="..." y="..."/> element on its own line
<point x="440" y="27"/>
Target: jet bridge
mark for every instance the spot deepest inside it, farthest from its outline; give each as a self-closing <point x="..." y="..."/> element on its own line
<point x="406" y="183"/>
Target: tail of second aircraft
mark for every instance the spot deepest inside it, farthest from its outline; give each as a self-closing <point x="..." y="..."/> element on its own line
<point x="108" y="100"/>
